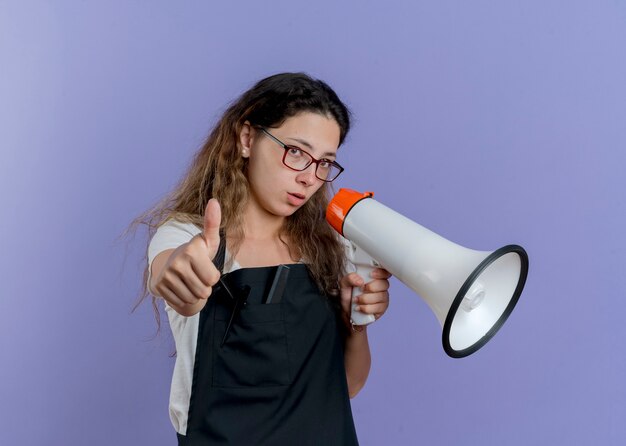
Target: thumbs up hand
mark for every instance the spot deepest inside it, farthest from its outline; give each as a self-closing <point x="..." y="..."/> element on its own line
<point x="211" y="233"/>
<point x="187" y="279"/>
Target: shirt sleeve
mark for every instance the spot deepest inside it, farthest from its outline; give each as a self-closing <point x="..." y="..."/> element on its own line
<point x="170" y="235"/>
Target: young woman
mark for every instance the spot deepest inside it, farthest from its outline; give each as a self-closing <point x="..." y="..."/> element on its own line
<point x="253" y="369"/>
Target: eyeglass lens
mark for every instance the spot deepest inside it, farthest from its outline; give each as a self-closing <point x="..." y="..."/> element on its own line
<point x="300" y="160"/>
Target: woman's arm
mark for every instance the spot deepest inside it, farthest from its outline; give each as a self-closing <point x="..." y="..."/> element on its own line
<point x="374" y="299"/>
<point x="357" y="360"/>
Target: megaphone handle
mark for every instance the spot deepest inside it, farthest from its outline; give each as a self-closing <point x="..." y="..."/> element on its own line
<point x="357" y="317"/>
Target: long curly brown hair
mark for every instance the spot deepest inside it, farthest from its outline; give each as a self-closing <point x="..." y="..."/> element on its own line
<point x="217" y="170"/>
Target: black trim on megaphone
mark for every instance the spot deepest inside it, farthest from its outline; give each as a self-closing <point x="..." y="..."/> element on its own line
<point x="447" y="326"/>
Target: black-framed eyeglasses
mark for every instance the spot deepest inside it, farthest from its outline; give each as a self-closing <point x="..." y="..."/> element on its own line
<point x="299" y="159"/>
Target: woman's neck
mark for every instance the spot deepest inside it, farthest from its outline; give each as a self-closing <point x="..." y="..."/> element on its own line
<point x="263" y="244"/>
<point x="258" y="224"/>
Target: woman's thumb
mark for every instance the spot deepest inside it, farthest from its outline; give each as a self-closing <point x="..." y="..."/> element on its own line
<point x="212" y="220"/>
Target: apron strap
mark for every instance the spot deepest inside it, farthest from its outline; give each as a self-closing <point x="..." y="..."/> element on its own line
<point x="220" y="256"/>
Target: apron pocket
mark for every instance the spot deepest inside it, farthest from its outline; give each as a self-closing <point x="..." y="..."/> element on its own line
<point x="255" y="352"/>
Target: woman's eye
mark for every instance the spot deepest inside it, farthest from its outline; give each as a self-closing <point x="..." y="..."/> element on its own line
<point x="294" y="151"/>
<point x="325" y="164"/>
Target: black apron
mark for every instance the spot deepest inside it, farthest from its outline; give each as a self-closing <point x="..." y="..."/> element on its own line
<point x="279" y="377"/>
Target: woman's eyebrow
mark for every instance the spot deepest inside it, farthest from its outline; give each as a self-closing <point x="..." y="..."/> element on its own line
<point x="310" y="147"/>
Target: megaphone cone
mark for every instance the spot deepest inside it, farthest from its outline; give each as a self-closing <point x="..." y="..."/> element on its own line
<point x="472" y="293"/>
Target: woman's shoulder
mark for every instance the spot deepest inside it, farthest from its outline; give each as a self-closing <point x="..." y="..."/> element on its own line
<point x="178" y="224"/>
<point x="171" y="234"/>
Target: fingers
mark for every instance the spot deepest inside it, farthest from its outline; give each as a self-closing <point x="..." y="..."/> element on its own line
<point x="189" y="275"/>
<point x="372" y="298"/>
<point x="182" y="302"/>
<point x="192" y="264"/>
<point x="198" y="288"/>
<point x="376" y="286"/>
<point x="380" y="273"/>
<point x="374" y="303"/>
<point x="212" y="221"/>
<point x="175" y="295"/>
<point x="347" y="283"/>
<point x="351" y="280"/>
<point x="170" y="297"/>
<point x="375" y="297"/>
<point x="205" y="271"/>
<point x="184" y="288"/>
<point x="379" y="283"/>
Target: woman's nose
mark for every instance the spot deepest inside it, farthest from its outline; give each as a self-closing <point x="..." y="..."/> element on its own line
<point x="307" y="176"/>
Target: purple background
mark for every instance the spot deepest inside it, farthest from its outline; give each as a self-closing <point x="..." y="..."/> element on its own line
<point x="487" y="122"/>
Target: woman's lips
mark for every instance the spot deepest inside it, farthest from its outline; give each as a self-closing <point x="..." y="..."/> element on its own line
<point x="295" y="199"/>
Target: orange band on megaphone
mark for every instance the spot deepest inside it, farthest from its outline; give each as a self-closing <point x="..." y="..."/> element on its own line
<point x="341" y="204"/>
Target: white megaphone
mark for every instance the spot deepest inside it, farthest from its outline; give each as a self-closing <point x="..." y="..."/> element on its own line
<point x="472" y="293"/>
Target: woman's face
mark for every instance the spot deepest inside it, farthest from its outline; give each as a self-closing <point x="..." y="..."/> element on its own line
<point x="275" y="188"/>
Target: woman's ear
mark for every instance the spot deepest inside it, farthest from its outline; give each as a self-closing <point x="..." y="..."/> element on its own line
<point x="246" y="138"/>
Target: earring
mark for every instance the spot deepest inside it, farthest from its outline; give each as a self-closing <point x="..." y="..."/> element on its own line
<point x="244" y="153"/>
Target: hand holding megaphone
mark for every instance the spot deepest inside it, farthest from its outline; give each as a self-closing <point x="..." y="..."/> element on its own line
<point x="472" y="293"/>
<point x="365" y="267"/>
<point x="364" y="294"/>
